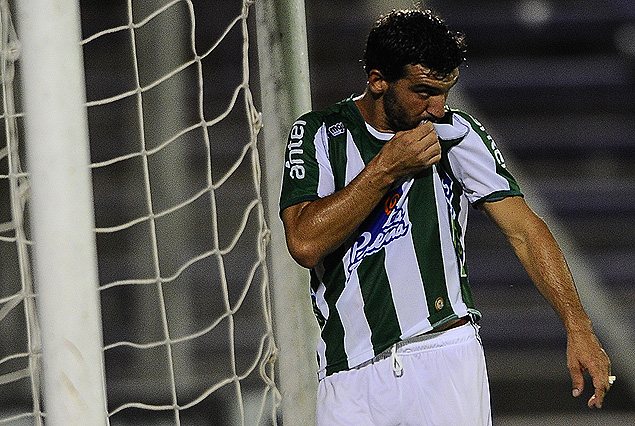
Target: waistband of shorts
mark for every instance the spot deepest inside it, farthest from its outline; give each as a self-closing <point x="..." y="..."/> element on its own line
<point x="429" y="340"/>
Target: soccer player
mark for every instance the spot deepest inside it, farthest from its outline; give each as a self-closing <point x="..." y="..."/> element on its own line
<point x="374" y="201"/>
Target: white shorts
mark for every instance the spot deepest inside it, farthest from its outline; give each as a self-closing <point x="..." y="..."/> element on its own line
<point x="440" y="380"/>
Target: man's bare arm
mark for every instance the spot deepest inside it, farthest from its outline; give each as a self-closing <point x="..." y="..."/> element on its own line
<point x="543" y="260"/>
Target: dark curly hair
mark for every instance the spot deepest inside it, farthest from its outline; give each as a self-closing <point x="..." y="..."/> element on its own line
<point x="414" y="37"/>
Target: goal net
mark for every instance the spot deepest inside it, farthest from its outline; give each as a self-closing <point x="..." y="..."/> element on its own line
<point x="180" y="225"/>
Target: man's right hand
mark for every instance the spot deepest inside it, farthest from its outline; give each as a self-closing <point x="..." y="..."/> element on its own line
<point x="410" y="151"/>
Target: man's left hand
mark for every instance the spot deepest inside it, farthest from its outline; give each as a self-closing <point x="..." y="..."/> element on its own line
<point x="584" y="353"/>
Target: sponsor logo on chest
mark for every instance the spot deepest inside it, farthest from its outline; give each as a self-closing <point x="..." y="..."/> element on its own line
<point x="388" y="223"/>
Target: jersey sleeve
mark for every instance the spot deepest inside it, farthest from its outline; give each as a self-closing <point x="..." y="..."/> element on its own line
<point x="307" y="173"/>
<point x="479" y="165"/>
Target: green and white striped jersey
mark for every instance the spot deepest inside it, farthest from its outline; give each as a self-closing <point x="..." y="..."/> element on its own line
<point x="403" y="271"/>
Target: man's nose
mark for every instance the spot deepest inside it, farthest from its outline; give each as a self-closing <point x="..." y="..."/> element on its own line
<point x="436" y="106"/>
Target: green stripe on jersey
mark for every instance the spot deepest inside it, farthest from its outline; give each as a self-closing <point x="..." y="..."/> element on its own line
<point x="427" y="242"/>
<point x="378" y="307"/>
<point x="333" y="333"/>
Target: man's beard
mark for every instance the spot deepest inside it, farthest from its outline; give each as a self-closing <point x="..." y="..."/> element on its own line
<point x="396" y="114"/>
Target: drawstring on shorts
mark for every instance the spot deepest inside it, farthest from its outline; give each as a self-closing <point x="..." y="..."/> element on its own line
<point x="395" y="361"/>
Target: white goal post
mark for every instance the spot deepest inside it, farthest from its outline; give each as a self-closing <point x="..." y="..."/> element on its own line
<point x="62" y="213"/>
<point x="183" y="327"/>
<point x="284" y="81"/>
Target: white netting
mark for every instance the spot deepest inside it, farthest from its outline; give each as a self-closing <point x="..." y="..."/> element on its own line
<point x="20" y="398"/>
<point x="181" y="235"/>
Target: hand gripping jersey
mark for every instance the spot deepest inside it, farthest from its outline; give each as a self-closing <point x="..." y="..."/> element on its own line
<point x="403" y="271"/>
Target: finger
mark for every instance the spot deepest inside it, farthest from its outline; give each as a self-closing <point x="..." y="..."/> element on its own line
<point x="592" y="401"/>
<point x="431" y="140"/>
<point x="601" y="385"/>
<point x="596" y="399"/>
<point x="577" y="380"/>
<point x="426" y="123"/>
<point x="432" y="153"/>
<point x="424" y="129"/>
<point x="598" y="396"/>
<point x="433" y="160"/>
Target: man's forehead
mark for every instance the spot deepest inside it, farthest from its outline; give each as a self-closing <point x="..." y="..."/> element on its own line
<point x="421" y="72"/>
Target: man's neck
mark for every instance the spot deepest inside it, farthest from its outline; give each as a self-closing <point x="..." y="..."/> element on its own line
<point x="372" y="111"/>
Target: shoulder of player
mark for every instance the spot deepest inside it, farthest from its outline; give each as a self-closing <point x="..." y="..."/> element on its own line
<point x="334" y="119"/>
<point x="476" y="138"/>
<point x="459" y="118"/>
<point x="458" y="126"/>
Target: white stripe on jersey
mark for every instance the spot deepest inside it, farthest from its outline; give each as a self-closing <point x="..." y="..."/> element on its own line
<point x="448" y="252"/>
<point x="321" y="344"/>
<point x="474" y="166"/>
<point x="357" y="334"/>
<point x="326" y="181"/>
<point x="354" y="162"/>
<point x="407" y="290"/>
<point x="321" y="350"/>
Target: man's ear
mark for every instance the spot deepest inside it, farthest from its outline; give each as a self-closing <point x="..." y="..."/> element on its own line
<point x="376" y="82"/>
